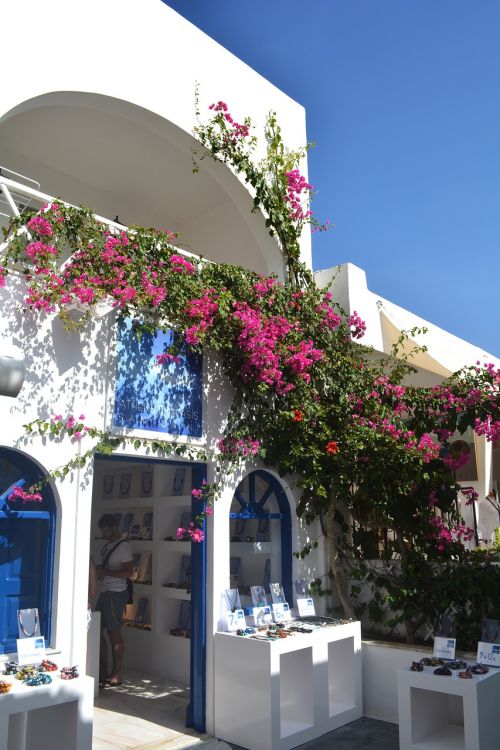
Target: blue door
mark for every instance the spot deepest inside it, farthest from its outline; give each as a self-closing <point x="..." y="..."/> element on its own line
<point x="26" y="549"/>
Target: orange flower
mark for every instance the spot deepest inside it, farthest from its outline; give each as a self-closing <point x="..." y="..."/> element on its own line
<point x="297" y="416"/>
<point x="332" y="447"/>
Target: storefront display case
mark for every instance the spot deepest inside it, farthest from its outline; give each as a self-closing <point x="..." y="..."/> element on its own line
<point x="277" y="694"/>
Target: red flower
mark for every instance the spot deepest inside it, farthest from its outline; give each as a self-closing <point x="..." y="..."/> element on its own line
<point x="297" y="415"/>
<point x="332" y="447"/>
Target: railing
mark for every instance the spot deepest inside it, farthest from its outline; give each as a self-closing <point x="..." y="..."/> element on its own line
<point x="15" y="196"/>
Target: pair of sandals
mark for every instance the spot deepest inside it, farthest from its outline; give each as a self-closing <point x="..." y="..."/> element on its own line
<point x="108" y="683"/>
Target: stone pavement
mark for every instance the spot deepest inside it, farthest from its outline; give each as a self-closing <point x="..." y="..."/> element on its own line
<point x="363" y="734"/>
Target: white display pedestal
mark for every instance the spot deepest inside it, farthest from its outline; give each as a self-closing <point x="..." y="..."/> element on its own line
<point x="57" y="716"/>
<point x="448" y="713"/>
<point x="275" y="695"/>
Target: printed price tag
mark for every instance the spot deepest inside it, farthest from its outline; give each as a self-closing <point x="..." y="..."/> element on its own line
<point x="235" y="620"/>
<point x="489" y="654"/>
<point x="262" y="616"/>
<point x="305" y="607"/>
<point x="30" y="650"/>
<point x="445" y="647"/>
<point x="281" y="612"/>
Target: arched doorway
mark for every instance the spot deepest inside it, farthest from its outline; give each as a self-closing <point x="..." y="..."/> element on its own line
<point x="27" y="532"/>
<point x="260" y="535"/>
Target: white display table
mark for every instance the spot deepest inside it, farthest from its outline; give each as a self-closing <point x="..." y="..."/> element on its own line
<point x="275" y="695"/>
<point x="448" y="713"/>
<point x="56" y="716"/>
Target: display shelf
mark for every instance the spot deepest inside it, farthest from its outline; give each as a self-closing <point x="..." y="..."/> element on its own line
<point x="171" y="593"/>
<point x="289" y="695"/>
<point x="448" y="713"/>
<point x="159" y="498"/>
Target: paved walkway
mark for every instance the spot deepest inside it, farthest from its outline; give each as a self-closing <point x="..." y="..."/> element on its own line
<point x="148" y="713"/>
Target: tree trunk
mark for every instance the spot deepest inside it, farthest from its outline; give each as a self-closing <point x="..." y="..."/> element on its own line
<point x="336" y="565"/>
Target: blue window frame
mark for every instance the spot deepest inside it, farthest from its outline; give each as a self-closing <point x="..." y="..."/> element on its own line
<point x="27" y="534"/>
<point x="252" y="506"/>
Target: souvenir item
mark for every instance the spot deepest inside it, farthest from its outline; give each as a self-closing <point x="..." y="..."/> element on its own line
<point x="28" y="623"/>
<point x="69" y="673"/>
<point x="25" y="672"/>
<point x="125" y="484"/>
<point x="108" y="482"/>
<point x="5" y="686"/>
<point x="258" y="596"/>
<point x="146" y="484"/>
<point x="48" y="666"/>
<point x="466" y="675"/>
<point x="178" y="481"/>
<point x="443" y="671"/>
<point x="432" y="661"/>
<point x="38" y="679"/>
<point x="490" y="632"/>
<point x="456" y="664"/>
<point x="479" y="669"/>
<point x="416" y="666"/>
<point x="277" y="594"/>
<point x="11" y="667"/>
<point x="231" y="600"/>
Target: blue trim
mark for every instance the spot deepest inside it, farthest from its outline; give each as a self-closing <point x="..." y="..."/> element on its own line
<point x="45" y="510"/>
<point x="196" y="708"/>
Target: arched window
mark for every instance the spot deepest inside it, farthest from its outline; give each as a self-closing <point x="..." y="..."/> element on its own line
<point x="27" y="533"/>
<point x="261" y="535"/>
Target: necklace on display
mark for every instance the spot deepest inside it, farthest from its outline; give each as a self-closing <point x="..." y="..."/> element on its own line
<point x="491" y="630"/>
<point x="231" y="600"/>
<point x="125" y="480"/>
<point x="21" y="624"/>
<point x="146" y="483"/>
<point x="108" y="482"/>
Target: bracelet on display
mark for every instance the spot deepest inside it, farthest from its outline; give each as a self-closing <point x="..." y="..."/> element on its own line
<point x="69" y="673"/>
<point x="11" y="667"/>
<point x="432" y="661"/>
<point x="456" y="664"/>
<point x="479" y="669"/>
<point x="466" y="675"/>
<point x="443" y="672"/>
<point x="5" y="686"/>
<point x="48" y="666"/>
<point x="416" y="666"/>
<point x="40" y="678"/>
<point x="25" y="672"/>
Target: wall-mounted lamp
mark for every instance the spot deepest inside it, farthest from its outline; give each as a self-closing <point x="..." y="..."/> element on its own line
<point x="12" y="375"/>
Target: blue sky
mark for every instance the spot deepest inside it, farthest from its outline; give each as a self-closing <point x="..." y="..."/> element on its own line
<point x="403" y="102"/>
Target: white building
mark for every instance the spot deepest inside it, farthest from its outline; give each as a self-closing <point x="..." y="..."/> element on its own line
<point x="97" y="108"/>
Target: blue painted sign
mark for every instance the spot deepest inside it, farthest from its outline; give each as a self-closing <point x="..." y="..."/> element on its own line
<point x="148" y="396"/>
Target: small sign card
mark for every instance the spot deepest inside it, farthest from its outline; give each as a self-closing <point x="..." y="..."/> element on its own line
<point x="235" y="620"/>
<point x="30" y="650"/>
<point x="262" y="615"/>
<point x="305" y="607"/>
<point x="488" y="653"/>
<point x="444" y="647"/>
<point x="281" y="612"/>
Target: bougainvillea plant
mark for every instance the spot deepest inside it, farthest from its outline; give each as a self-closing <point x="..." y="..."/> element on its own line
<point x="367" y="451"/>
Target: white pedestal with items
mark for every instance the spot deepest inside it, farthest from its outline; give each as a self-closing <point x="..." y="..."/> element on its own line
<point x="56" y="716"/>
<point x="448" y="713"/>
<point x="275" y="695"/>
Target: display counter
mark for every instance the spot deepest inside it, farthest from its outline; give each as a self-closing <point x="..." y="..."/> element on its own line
<point x="277" y="694"/>
<point x="448" y="713"/>
<point x="56" y="716"/>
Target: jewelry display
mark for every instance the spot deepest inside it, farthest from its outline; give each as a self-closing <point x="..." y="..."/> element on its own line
<point x="443" y="672"/>
<point x="25" y="672"/>
<point x="125" y="482"/>
<point x="26" y="628"/>
<point x="432" y="661"/>
<point x="48" y="666"/>
<point x="5" y="686"/>
<point x="69" y="673"/>
<point x="11" y="667"/>
<point x="416" y="666"/>
<point x="38" y="679"/>
<point x="456" y="664"/>
<point x="146" y="483"/>
<point x="490" y="630"/>
<point x="467" y="675"/>
<point x="108" y="482"/>
<point x="232" y="600"/>
<point x="479" y="669"/>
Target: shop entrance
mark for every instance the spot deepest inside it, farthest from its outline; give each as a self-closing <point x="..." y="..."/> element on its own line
<point x="165" y="626"/>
